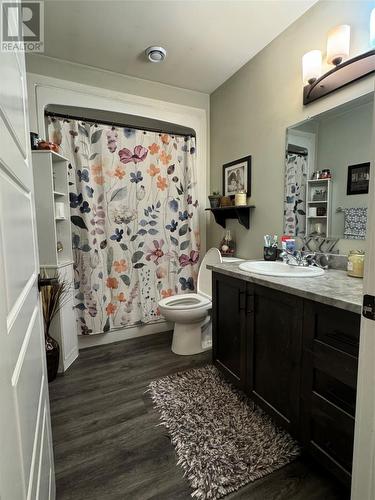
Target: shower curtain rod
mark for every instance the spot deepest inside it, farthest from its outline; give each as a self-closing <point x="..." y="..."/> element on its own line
<point x="296" y="152"/>
<point x="113" y="124"/>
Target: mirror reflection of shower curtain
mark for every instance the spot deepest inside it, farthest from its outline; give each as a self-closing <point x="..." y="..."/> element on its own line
<point x="295" y="194"/>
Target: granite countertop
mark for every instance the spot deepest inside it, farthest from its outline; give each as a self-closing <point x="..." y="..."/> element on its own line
<point x="334" y="288"/>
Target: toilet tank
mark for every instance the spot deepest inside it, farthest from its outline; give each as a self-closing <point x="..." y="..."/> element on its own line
<point x="204" y="283"/>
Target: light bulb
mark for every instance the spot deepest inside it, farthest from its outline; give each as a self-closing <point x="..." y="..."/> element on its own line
<point x="311" y="66"/>
<point x="372" y="28"/>
<point x="338" y="44"/>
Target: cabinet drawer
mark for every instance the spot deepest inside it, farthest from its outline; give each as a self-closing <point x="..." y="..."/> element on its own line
<point x="335" y="391"/>
<point x="335" y="327"/>
<point x="332" y="431"/>
<point x="335" y="363"/>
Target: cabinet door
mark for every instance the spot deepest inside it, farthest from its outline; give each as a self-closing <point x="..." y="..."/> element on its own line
<point x="274" y="354"/>
<point x="229" y="327"/>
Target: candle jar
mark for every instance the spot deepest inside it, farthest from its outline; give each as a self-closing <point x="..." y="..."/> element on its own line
<point x="356" y="263"/>
<point x="240" y="198"/>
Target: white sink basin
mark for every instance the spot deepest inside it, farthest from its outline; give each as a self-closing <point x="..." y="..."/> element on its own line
<point x="280" y="269"/>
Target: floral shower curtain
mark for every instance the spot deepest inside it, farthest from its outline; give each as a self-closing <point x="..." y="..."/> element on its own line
<point x="134" y="214"/>
<point x="295" y="195"/>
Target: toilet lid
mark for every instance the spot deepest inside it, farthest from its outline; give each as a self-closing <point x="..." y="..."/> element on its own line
<point x="204" y="284"/>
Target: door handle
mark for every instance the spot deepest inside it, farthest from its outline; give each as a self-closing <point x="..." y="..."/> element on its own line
<point x="241" y="301"/>
<point x="46" y="282"/>
<point x="250" y="303"/>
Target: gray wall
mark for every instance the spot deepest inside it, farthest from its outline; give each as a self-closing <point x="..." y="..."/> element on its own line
<point x="345" y="140"/>
<point x="251" y="111"/>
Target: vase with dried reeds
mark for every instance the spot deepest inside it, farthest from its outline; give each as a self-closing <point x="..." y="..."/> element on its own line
<point x="53" y="296"/>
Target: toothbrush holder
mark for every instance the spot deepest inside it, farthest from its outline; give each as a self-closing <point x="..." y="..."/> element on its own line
<point x="270" y="253"/>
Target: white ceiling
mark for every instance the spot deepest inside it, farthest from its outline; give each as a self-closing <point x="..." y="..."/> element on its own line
<point x="206" y="40"/>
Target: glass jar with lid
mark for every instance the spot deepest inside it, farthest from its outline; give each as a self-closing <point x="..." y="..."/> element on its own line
<point x="240" y="198"/>
<point x="356" y="263"/>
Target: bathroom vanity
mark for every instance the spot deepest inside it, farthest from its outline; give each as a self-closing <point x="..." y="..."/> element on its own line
<point x="292" y="345"/>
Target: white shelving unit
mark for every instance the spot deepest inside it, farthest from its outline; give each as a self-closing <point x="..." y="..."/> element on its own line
<point x="325" y="220"/>
<point x="50" y="187"/>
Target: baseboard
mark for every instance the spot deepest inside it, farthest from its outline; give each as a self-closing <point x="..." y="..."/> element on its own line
<point x="68" y="360"/>
<point x="131" y="332"/>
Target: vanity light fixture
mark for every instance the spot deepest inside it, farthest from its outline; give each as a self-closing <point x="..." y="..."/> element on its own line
<point x="311" y="66"/>
<point x="338" y="44"/>
<point x="344" y="72"/>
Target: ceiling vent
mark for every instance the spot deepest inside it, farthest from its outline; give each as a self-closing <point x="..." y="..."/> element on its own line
<point x="156" y="54"/>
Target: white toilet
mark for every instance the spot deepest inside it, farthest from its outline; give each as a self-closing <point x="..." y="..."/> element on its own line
<point x="190" y="311"/>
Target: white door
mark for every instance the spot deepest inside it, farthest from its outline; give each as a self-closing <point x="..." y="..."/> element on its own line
<point x="363" y="483"/>
<point x="26" y="460"/>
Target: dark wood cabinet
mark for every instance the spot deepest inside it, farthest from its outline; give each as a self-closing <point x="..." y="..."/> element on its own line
<point x="274" y="347"/>
<point x="229" y="327"/>
<point x="297" y="359"/>
<point x="329" y="383"/>
<point x="257" y="342"/>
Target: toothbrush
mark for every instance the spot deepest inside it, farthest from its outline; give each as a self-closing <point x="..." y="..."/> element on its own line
<point x="267" y="240"/>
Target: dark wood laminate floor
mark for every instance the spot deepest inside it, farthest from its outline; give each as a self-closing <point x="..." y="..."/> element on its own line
<point x="107" y="442"/>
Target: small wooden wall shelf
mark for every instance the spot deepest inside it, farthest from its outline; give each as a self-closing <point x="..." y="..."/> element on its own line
<point x="242" y="214"/>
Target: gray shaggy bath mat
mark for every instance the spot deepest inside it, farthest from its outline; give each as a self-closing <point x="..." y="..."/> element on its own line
<point x="222" y="439"/>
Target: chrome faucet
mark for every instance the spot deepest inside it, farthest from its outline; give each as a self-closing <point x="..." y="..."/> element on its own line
<point x="299" y="258"/>
<point x="295" y="258"/>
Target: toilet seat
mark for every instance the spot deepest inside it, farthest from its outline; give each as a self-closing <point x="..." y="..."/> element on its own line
<point x="185" y="301"/>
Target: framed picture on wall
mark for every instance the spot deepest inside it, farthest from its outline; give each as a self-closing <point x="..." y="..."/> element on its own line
<point x="358" y="178"/>
<point x="237" y="176"/>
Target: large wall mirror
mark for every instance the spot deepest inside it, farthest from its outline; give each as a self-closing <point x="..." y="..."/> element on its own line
<point x="327" y="173"/>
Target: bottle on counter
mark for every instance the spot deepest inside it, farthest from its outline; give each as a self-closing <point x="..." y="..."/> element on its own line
<point x="356" y="263"/>
<point x="227" y="245"/>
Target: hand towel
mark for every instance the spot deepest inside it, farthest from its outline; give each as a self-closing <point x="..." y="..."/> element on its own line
<point x="355" y="222"/>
